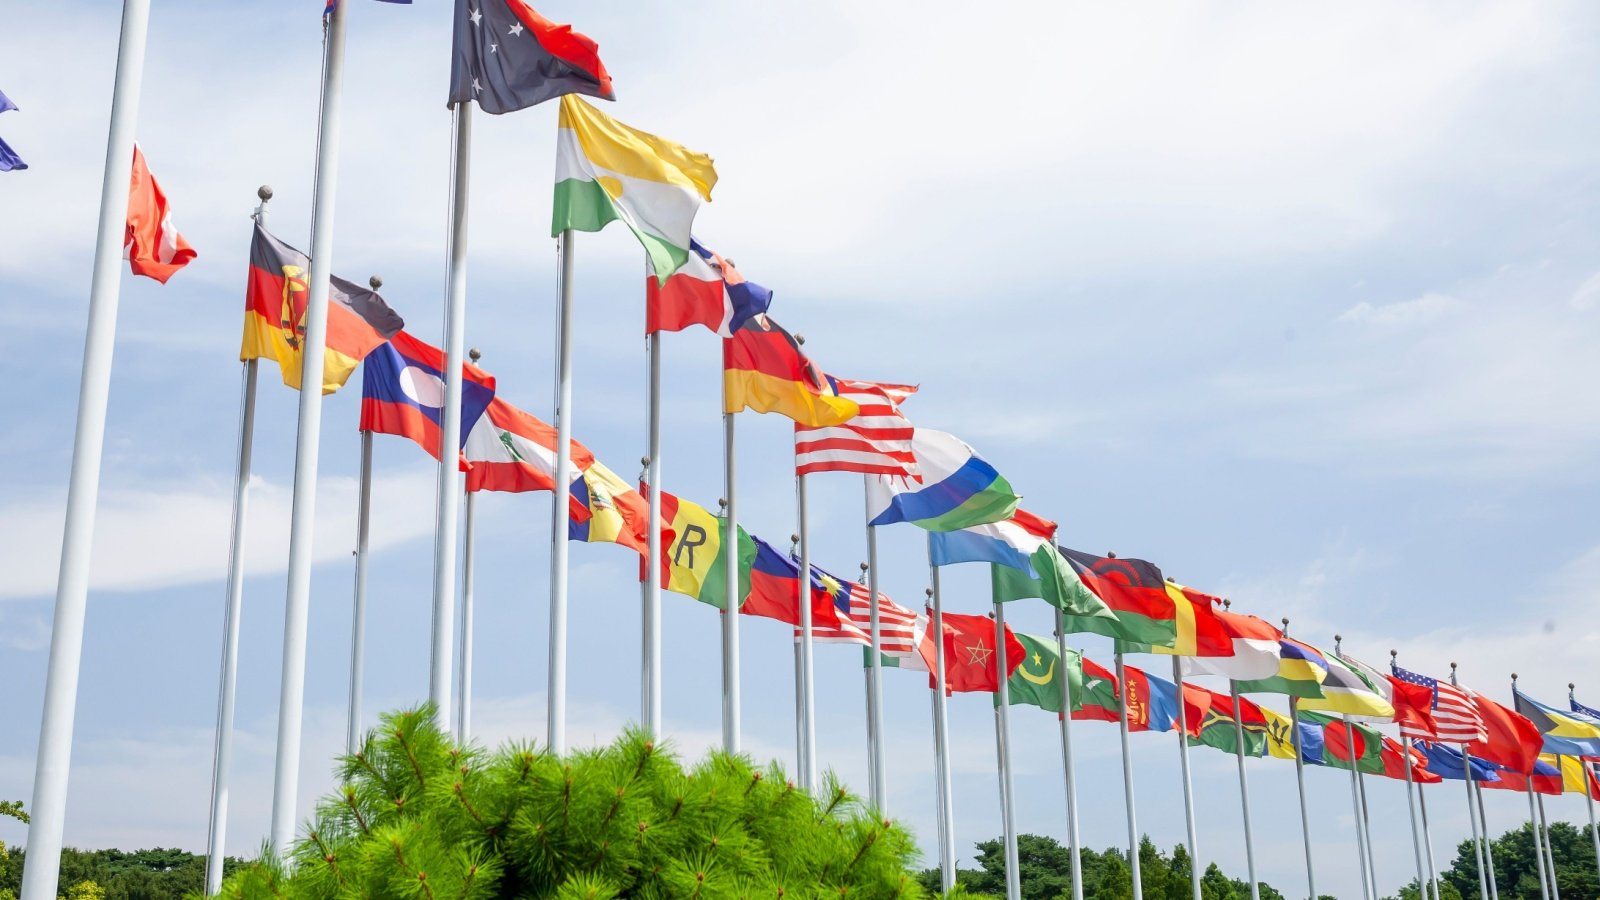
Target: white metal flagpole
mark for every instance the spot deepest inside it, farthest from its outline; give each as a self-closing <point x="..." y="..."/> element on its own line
<point x="222" y="756"/>
<point x="1366" y="835"/>
<point x="447" y="496"/>
<point x="1549" y="851"/>
<point x="874" y="667"/>
<point x="652" y="579"/>
<point x="302" y="516"/>
<point x="49" y="808"/>
<point x="1127" y="780"/>
<point x="1300" y="784"/>
<point x="1412" y="789"/>
<point x="1533" y="819"/>
<point x="562" y="515"/>
<point x="1066" y="756"/>
<point x="1188" y="786"/>
<point x="469" y="583"/>
<point x="1002" y="746"/>
<point x="1244" y="792"/>
<point x="1488" y="846"/>
<point x="732" y="600"/>
<point x="1427" y="842"/>
<point x="1355" y="808"/>
<point x="941" y="737"/>
<point x="358" y="607"/>
<point x="1485" y="882"/>
<point x="808" y="703"/>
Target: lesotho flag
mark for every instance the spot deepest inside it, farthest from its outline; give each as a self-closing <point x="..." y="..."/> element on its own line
<point x="959" y="489"/>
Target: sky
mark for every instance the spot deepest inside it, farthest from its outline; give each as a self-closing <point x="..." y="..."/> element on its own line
<point x="1297" y="302"/>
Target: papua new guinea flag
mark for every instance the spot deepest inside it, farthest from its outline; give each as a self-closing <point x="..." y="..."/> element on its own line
<point x="402" y="392"/>
<point x="508" y="57"/>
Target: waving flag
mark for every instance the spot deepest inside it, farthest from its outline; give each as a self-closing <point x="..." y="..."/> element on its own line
<point x="1579" y="708"/>
<point x="607" y="171"/>
<point x="508" y="57"/>
<point x="1455" y="719"/>
<point x="1301" y="669"/>
<point x="1008" y="542"/>
<point x="959" y="488"/>
<point x="853" y="605"/>
<point x="1198" y="630"/>
<point x="9" y="160"/>
<point x="1512" y="741"/>
<point x="970" y="663"/>
<point x="1134" y="590"/>
<point x="1396" y="759"/>
<point x="1448" y="762"/>
<point x="510" y="450"/>
<point x="763" y="369"/>
<point x="402" y="392"/>
<point x="1036" y="681"/>
<point x="1345" y="690"/>
<point x="1347" y="743"/>
<point x="1255" y="649"/>
<point x="775" y="590"/>
<point x="695" y="561"/>
<point x="1217" y="727"/>
<point x="1543" y="778"/>
<point x="1565" y="733"/>
<point x="153" y="246"/>
<point x="875" y="441"/>
<point x="618" y="514"/>
<point x="707" y="291"/>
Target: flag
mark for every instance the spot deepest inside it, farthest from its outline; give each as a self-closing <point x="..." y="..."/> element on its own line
<point x="907" y="641"/>
<point x="775" y="589"/>
<point x="875" y="441"/>
<point x="1577" y="777"/>
<point x="970" y="664"/>
<point x="275" y="315"/>
<point x="1566" y="733"/>
<point x="1037" y="682"/>
<point x="510" y="450"/>
<point x="1544" y="778"/>
<point x="707" y="291"/>
<point x="508" y="57"/>
<point x="1050" y="577"/>
<point x="1577" y="707"/>
<point x="1255" y="649"/>
<point x="1396" y="759"/>
<point x="402" y="392"/>
<point x="1217" y="727"/>
<point x="606" y="171"/>
<point x="9" y="160"/>
<point x="1512" y="741"/>
<point x="958" y="488"/>
<point x="1301" y="669"/>
<point x="5" y="103"/>
<point x="695" y="559"/>
<point x="1198" y="630"/>
<point x="1097" y="702"/>
<point x="1344" y="743"/>
<point x="763" y="369"/>
<point x="1134" y="590"/>
<point x="1345" y="690"/>
<point x="618" y="514"/>
<point x="853" y="603"/>
<point x="1413" y="708"/>
<point x="1153" y="702"/>
<point x="1009" y="542"/>
<point x="152" y="244"/>
<point x="1455" y="719"/>
<point x="1448" y="762"/>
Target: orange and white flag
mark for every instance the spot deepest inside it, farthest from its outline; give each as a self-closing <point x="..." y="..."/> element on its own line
<point x="153" y="247"/>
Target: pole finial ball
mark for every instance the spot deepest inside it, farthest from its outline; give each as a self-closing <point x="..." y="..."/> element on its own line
<point x="1111" y="554"/>
<point x="1285" y="621"/>
<point x="1513" y="676"/>
<point x="474" y="354"/>
<point x="1393" y="653"/>
<point x="1452" y="665"/>
<point x="644" y="461"/>
<point x="794" y="538"/>
<point x="863" y="567"/>
<point x="375" y="282"/>
<point x="722" y="502"/>
<point x="928" y="592"/>
<point x="800" y="339"/>
<point x="1571" y="686"/>
<point x="1338" y="637"/>
<point x="264" y="192"/>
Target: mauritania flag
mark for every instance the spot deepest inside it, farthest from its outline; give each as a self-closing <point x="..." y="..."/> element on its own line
<point x="959" y="488"/>
<point x="1036" y="681"/>
<point x="606" y="170"/>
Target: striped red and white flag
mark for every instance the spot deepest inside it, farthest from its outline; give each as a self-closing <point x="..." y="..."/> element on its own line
<point x="898" y="627"/>
<point x="1457" y="720"/>
<point x="876" y="442"/>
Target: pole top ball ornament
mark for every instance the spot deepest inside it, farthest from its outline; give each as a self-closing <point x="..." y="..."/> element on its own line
<point x="264" y="192"/>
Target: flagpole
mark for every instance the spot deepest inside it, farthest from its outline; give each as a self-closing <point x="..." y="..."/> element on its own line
<point x="1484" y="883"/>
<point x="1366" y="830"/>
<point x="1188" y="785"/>
<point x="1549" y="849"/>
<point x="938" y="787"/>
<point x="1300" y="784"/>
<point x="1127" y="780"/>
<point x="233" y="608"/>
<point x="1533" y="817"/>
<point x="941" y="737"/>
<point x="358" y="606"/>
<point x="302" y="517"/>
<point x="1066" y="756"/>
<point x="556" y="714"/>
<point x="732" y="601"/>
<point x="1355" y="808"/>
<point x="41" y="870"/>
<point x="652" y="580"/>
<point x="1244" y="790"/>
<point x="1427" y="842"/>
<point x="879" y="789"/>
<point x="808" y="702"/>
<point x="469" y="581"/>
<point x="799" y="684"/>
<point x="1588" y="793"/>
<point x="1488" y="847"/>
<point x="1411" y="811"/>
<point x="1002" y="746"/>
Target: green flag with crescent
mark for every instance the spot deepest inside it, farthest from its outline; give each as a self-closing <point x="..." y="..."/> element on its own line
<point x="1037" y="679"/>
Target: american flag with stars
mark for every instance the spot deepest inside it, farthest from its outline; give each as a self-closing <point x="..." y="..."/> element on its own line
<point x="1458" y="721"/>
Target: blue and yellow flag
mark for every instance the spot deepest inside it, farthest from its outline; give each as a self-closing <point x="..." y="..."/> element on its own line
<point x="1301" y="671"/>
<point x="1566" y="733"/>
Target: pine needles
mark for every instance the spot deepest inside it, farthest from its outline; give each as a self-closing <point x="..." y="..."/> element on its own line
<point x="417" y="818"/>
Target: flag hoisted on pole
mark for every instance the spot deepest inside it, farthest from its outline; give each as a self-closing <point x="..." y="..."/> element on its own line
<point x="1127" y="777"/>
<point x="1066" y="757"/>
<point x="302" y="516"/>
<point x="1533" y="818"/>
<point x="1002" y="746"/>
<point x="468" y="585"/>
<point x="941" y="740"/>
<point x="222" y="756"/>
<point x="1484" y="883"/>
<point x="1412" y="788"/>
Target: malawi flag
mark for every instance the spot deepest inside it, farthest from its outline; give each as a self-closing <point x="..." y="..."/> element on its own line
<point x="1135" y="591"/>
<point x="276" y="295"/>
<point x="402" y="392"/>
<point x="763" y="369"/>
<point x="1036" y="681"/>
<point x="508" y="57"/>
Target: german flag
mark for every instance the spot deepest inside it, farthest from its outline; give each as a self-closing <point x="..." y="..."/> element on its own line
<point x="276" y="295"/>
<point x="763" y="369"/>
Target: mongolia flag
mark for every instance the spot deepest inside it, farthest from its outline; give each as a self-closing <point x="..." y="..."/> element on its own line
<point x="1153" y="702"/>
<point x="402" y="392"/>
<point x="152" y="244"/>
<point x="510" y="450"/>
<point x="959" y="489"/>
<point x="763" y="369"/>
<point x="275" y="315"/>
<point x="707" y="291"/>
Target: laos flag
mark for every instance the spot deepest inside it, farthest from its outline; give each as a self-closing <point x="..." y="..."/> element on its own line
<point x="402" y="392"/>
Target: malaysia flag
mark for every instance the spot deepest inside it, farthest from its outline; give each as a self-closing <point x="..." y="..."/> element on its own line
<point x="402" y="392"/>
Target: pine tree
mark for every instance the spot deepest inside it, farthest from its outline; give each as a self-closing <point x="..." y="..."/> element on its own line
<point x="419" y="818"/>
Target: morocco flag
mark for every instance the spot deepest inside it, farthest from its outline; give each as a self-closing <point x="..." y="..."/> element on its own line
<point x="970" y="661"/>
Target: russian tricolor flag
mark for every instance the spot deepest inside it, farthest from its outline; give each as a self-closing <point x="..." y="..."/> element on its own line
<point x="402" y="392"/>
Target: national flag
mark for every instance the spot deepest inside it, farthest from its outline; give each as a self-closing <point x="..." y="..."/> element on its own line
<point x="1512" y="741"/>
<point x="1396" y="759"/>
<point x="1577" y="776"/>
<point x="9" y="160"/>
<point x="775" y="589"/>
<point x="1301" y="669"/>
<point x="618" y="513"/>
<point x="763" y="369"/>
<point x="276" y="295"/>
<point x="1413" y="708"/>
<point x="1565" y="733"/>
<point x="958" y="488"/>
<point x="970" y="663"/>
<point x="1009" y="542"/>
<point x="1543" y="778"/>
<point x="875" y="441"/>
<point x="695" y="558"/>
<point x="853" y="603"/>
<point x="1344" y="743"/>
<point x="1255" y="649"/>
<point x="1097" y="702"/>
<point x="606" y="171"/>
<point x="1153" y="702"/>
<point x="1455" y="719"/>
<point x="152" y="244"/>
<point x="1282" y="732"/>
<point x="1348" y="691"/>
<point x="1577" y="707"/>
<point x="510" y="450"/>
<point x="507" y="57"/>
<point x="1036" y="681"/>
<point x="1217" y="727"/>
<point x="402" y="392"/>
<point x="707" y="290"/>
<point x="1198" y="630"/>
<point x="907" y="641"/>
<point x="1134" y="590"/>
<point x="5" y="103"/>
<point x="1448" y="762"/>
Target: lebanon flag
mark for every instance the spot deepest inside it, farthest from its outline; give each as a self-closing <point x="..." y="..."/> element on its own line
<point x="510" y="450"/>
<point x="152" y="244"/>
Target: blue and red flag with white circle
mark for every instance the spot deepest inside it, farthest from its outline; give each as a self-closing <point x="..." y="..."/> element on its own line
<point x="402" y="392"/>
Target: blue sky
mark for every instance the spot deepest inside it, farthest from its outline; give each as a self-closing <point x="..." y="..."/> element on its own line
<point x="1299" y="304"/>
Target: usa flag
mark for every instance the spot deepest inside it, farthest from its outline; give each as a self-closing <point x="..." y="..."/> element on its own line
<point x="1457" y="719"/>
<point x="876" y="442"/>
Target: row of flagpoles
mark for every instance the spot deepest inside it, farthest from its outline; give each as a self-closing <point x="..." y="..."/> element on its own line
<point x="606" y="171"/>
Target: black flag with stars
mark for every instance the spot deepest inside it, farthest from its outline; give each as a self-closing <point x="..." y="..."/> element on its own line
<point x="508" y="57"/>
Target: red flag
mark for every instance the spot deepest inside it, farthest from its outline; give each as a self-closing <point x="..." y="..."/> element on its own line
<point x="1394" y="754"/>
<point x="1513" y="741"/>
<point x="152" y="245"/>
<point x="970" y="662"/>
<point x="1196" y="704"/>
<point x="1413" y="706"/>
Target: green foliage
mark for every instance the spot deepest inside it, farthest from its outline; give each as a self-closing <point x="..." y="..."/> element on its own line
<point x="418" y="818"/>
<point x="13" y="809"/>
<point x="1046" y="869"/>
<point x="1515" y="873"/>
<point x="158" y="874"/>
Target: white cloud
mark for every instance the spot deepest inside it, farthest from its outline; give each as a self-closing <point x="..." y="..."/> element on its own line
<point x="177" y="533"/>
<point x="1424" y="309"/>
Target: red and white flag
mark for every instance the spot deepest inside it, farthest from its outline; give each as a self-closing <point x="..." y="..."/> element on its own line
<point x="153" y="247"/>
<point x="899" y="630"/>
<point x="876" y="442"/>
<point x="510" y="450"/>
<point x="1455" y="719"/>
